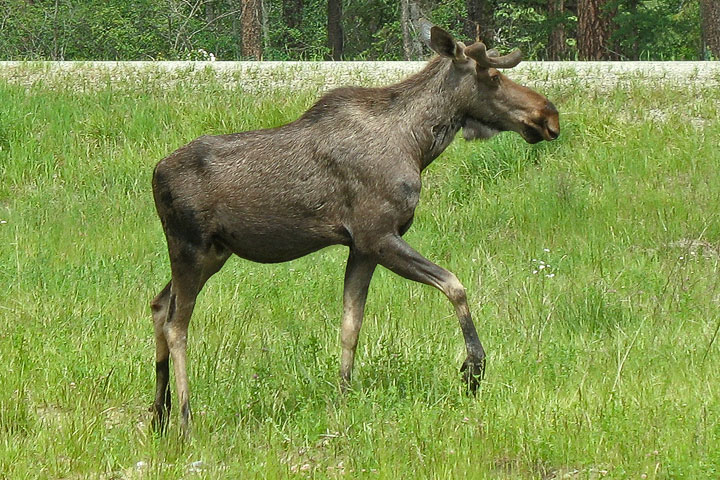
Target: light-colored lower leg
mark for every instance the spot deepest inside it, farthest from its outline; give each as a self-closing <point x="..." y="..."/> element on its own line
<point x="473" y="369"/>
<point x="349" y="332"/>
<point x="394" y="253"/>
<point x="175" y="331"/>
<point x="357" y="280"/>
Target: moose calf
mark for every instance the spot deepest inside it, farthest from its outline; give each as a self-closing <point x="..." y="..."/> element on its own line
<point x="346" y="172"/>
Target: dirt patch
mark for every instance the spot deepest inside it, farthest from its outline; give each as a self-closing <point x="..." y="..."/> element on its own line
<point x="696" y="248"/>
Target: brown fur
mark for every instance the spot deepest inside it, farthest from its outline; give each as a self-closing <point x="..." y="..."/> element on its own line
<point x="346" y="172"/>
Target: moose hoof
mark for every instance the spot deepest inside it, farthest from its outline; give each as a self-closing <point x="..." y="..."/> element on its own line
<point x="159" y="420"/>
<point x="345" y="386"/>
<point x="473" y="371"/>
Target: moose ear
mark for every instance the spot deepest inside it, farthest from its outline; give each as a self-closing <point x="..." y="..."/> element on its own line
<point x="442" y="42"/>
<point x="438" y="39"/>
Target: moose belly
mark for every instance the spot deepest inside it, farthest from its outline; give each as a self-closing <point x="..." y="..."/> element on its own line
<point x="273" y="241"/>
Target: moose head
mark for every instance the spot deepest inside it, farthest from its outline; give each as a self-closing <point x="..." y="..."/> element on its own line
<point x="492" y="102"/>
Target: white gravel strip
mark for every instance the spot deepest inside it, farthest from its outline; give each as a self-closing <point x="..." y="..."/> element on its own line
<point x="254" y="76"/>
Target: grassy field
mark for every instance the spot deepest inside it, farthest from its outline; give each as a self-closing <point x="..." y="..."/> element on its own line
<point x="592" y="267"/>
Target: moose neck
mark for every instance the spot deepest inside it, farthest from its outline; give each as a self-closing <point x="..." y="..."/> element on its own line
<point x="430" y="109"/>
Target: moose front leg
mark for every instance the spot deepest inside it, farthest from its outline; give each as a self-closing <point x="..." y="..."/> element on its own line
<point x="358" y="274"/>
<point x="393" y="252"/>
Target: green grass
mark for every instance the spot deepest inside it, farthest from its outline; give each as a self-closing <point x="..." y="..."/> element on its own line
<point x="603" y="364"/>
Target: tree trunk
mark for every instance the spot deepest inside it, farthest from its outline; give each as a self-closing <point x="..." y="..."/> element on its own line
<point x="237" y="31"/>
<point x="556" y="40"/>
<point x="335" y="31"/>
<point x="292" y="13"/>
<point x="410" y="14"/>
<point x="251" y="20"/>
<point x="594" y="29"/>
<point x="634" y="47"/>
<point x="479" y="23"/>
<point x="209" y="13"/>
<point x="710" y="21"/>
<point x="264" y="25"/>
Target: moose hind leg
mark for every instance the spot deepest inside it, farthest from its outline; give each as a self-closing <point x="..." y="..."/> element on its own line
<point x="394" y="253"/>
<point x="161" y="405"/>
<point x="191" y="268"/>
<point x="358" y="274"/>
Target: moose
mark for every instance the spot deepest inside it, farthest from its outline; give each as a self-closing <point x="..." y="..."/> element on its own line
<point x="346" y="172"/>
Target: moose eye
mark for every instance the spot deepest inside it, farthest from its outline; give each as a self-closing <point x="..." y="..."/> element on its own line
<point x="491" y="79"/>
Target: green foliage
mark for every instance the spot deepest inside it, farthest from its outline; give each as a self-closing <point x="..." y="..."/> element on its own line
<point x="451" y="15"/>
<point x="662" y="29"/>
<point x="181" y="29"/>
<point x="373" y="30"/>
<point x="308" y="41"/>
<point x="82" y="30"/>
<point x="523" y="27"/>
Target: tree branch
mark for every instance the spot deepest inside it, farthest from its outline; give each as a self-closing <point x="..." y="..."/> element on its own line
<point x="207" y="24"/>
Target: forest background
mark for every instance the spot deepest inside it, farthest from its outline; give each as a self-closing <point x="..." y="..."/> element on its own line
<point x="354" y="29"/>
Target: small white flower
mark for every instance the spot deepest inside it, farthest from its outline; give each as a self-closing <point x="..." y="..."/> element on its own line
<point x="534" y="272"/>
<point x="546" y="250"/>
<point x="550" y="275"/>
<point x="3" y="222"/>
<point x="196" y="466"/>
<point x="541" y="267"/>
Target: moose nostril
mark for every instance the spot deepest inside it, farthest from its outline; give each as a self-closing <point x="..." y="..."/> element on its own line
<point x="552" y="126"/>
